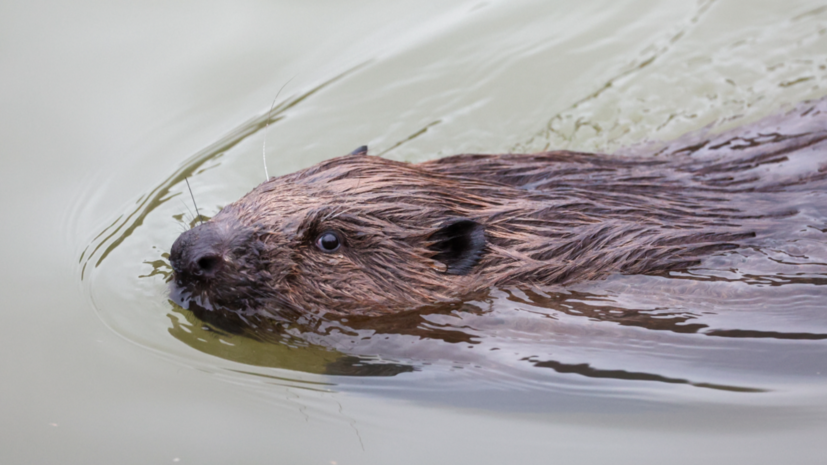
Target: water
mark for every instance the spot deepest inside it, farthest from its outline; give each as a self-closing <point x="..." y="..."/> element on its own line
<point x="109" y="107"/>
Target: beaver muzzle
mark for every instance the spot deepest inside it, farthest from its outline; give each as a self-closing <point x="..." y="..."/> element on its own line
<point x="205" y="259"/>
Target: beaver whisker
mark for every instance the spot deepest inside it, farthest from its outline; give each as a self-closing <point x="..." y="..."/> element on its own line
<point x="183" y="222"/>
<point x="193" y="200"/>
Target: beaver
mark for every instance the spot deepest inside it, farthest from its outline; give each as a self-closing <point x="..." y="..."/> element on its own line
<point x="365" y="236"/>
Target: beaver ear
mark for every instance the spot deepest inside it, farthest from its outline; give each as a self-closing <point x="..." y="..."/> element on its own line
<point x="363" y="150"/>
<point x="459" y="244"/>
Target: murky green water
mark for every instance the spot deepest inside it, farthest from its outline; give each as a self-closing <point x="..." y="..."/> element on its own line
<point x="108" y="107"/>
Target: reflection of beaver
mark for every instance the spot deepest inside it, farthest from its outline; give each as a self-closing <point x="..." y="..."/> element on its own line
<point x="361" y="235"/>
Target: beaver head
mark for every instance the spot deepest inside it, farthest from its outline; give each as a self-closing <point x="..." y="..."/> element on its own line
<point x="362" y="235"/>
<point x="355" y="234"/>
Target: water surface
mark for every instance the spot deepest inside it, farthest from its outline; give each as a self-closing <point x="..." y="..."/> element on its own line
<point x="725" y="362"/>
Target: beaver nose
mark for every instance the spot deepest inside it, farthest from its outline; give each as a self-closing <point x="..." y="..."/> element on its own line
<point x="206" y="265"/>
<point x="201" y="251"/>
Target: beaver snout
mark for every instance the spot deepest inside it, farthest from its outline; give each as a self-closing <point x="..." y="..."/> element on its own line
<point x="197" y="252"/>
<point x="201" y="253"/>
<point x="211" y="264"/>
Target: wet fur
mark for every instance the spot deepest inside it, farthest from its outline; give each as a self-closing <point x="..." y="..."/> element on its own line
<point x="449" y="229"/>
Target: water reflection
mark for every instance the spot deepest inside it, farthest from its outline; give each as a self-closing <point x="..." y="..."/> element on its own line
<point x="231" y="341"/>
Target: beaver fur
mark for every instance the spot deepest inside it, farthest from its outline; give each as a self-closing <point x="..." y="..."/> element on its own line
<point x="402" y="236"/>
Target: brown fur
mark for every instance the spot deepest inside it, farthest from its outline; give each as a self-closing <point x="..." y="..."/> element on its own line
<point x="548" y="218"/>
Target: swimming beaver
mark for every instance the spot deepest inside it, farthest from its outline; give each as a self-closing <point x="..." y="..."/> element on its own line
<point x="361" y="235"/>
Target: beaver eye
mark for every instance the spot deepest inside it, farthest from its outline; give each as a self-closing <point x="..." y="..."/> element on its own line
<point x="328" y="241"/>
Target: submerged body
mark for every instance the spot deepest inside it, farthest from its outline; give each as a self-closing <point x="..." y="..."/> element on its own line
<point x="364" y="236"/>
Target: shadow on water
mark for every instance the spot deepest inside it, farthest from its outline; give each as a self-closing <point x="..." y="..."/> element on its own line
<point x="584" y="369"/>
<point x="274" y="351"/>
